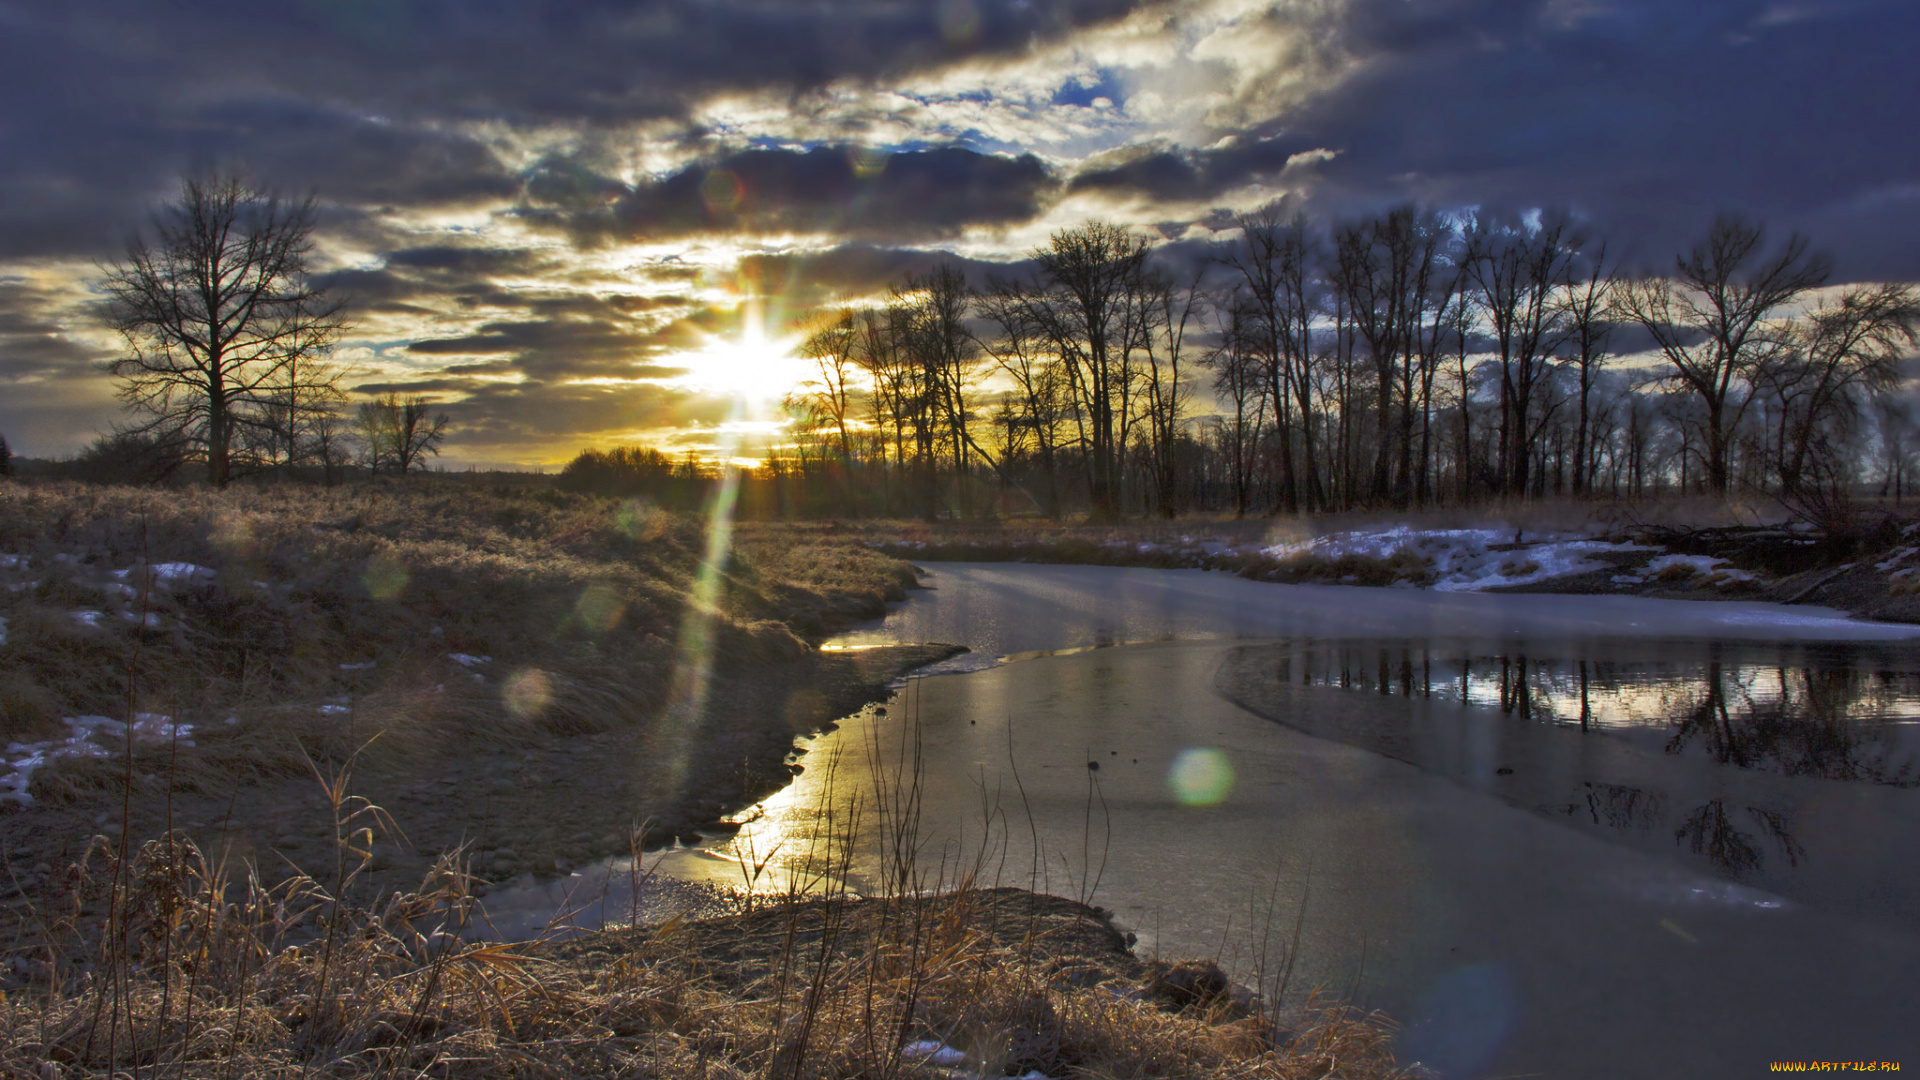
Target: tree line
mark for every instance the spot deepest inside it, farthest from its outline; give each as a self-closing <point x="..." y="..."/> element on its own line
<point x="1407" y="359"/>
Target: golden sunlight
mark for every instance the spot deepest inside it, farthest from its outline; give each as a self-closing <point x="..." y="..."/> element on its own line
<point x="756" y="370"/>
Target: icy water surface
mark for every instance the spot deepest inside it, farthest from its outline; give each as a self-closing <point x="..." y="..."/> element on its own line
<point x="1554" y="836"/>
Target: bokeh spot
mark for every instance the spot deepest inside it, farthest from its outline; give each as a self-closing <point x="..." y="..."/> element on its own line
<point x="599" y="608"/>
<point x="633" y="517"/>
<point x="721" y="191"/>
<point x="527" y="693"/>
<point x="868" y="161"/>
<point x="1462" y="1021"/>
<point x="1200" y="777"/>
<point x="385" y="577"/>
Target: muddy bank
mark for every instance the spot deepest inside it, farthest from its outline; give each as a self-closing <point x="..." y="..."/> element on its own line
<point x="539" y="807"/>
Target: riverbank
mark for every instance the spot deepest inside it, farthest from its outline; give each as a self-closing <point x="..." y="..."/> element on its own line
<point x="1870" y="573"/>
<point x="989" y="982"/>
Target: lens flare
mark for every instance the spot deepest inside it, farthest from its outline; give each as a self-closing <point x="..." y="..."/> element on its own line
<point x="599" y="608"/>
<point x="721" y="191"/>
<point x="527" y="693"/>
<point x="1200" y="777"/>
<point x="1462" y="1021"/>
<point x="634" y="518"/>
<point x="868" y="161"/>
<point x="385" y="577"/>
<point x="693" y="660"/>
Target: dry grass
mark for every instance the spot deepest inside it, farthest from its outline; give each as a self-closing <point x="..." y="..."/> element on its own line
<point x="168" y="966"/>
<point x="361" y="595"/>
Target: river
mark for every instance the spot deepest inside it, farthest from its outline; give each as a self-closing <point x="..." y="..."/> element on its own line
<point x="1561" y="836"/>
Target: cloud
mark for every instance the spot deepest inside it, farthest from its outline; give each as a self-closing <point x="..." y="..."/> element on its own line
<point x="1648" y="117"/>
<point x="852" y="271"/>
<point x="1182" y="175"/>
<point x="832" y="190"/>
<point x="54" y="389"/>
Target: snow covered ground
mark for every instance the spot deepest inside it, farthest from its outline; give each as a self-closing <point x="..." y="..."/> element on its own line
<point x="1464" y="560"/>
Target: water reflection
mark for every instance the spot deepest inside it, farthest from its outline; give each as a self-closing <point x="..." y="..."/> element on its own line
<point x="1838" y="712"/>
<point x="1773" y="764"/>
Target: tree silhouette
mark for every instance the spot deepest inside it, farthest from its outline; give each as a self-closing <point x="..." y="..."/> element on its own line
<point x="219" y="317"/>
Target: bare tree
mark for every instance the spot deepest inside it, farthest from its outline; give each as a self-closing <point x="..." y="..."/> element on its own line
<point x="400" y="432"/>
<point x="1711" y="321"/>
<point x="1272" y="260"/>
<point x="1080" y="304"/>
<point x="327" y="443"/>
<point x="1020" y="348"/>
<point x="1834" y="358"/>
<point x="831" y="347"/>
<point x="1588" y="313"/>
<point x="1517" y="269"/>
<point x="1238" y="373"/>
<point x="218" y="314"/>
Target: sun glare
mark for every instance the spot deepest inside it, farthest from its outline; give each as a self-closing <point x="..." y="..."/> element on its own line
<point x="752" y="368"/>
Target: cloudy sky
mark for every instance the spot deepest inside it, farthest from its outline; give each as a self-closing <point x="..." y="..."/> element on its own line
<point x="572" y="221"/>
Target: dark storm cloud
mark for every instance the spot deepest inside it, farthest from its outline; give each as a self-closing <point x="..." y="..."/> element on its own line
<point x="532" y="417"/>
<point x="831" y="189"/>
<point x="805" y="279"/>
<point x="554" y="349"/>
<point x="1175" y="174"/>
<point x="80" y="182"/>
<point x="426" y="279"/>
<point x="53" y="389"/>
<point x="35" y="346"/>
<point x="108" y="100"/>
<point x="1647" y="116"/>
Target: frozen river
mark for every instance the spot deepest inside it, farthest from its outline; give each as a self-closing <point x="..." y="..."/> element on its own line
<point x="1553" y="835"/>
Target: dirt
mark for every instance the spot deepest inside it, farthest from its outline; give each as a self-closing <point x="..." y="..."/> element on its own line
<point x="536" y="809"/>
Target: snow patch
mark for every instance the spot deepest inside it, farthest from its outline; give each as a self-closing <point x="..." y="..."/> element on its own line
<point x="933" y="1052"/>
<point x="364" y="665"/>
<point x="468" y="660"/>
<point x="22" y="759"/>
<point x="87" y="617"/>
<point x="332" y="710"/>
<point x="1895" y="559"/>
<point x="1466" y="560"/>
<point x="1701" y="565"/>
<point x="168" y="574"/>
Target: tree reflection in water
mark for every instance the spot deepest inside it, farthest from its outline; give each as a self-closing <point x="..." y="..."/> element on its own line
<point x="1710" y="831"/>
<point x="1835" y="713"/>
<point x="1812" y="727"/>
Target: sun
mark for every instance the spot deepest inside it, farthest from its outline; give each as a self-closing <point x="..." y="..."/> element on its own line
<point x="752" y="369"/>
